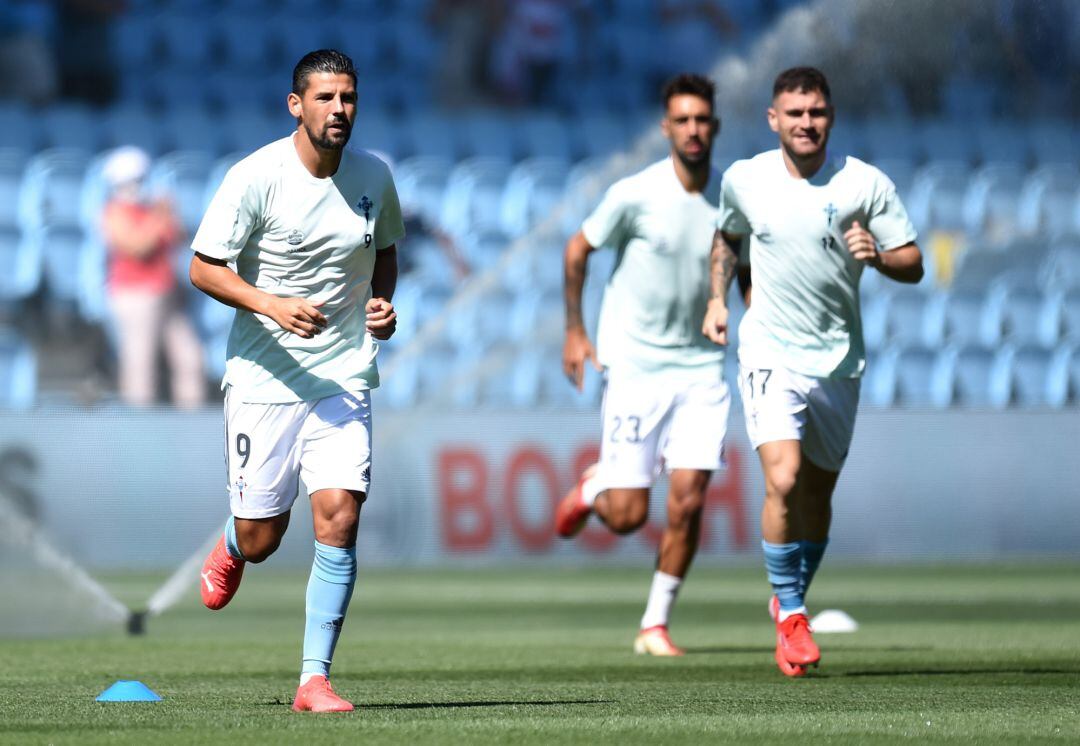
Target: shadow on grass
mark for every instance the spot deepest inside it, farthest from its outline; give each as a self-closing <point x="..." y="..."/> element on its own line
<point x="961" y="672"/>
<point x="845" y="649"/>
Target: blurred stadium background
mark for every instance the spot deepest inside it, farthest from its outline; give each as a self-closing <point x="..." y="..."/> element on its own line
<point x="966" y="442"/>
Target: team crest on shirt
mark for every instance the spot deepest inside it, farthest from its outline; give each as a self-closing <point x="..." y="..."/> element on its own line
<point x="295" y="237"/>
<point x="365" y="204"/>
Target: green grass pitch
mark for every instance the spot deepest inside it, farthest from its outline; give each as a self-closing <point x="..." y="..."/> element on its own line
<point x="944" y="654"/>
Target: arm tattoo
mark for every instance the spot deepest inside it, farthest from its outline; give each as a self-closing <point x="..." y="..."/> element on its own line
<point x="724" y="259"/>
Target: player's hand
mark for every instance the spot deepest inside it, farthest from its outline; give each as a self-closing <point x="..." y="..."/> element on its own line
<point x="381" y="318"/>
<point x="576" y="350"/>
<point x="861" y="245"/>
<point x="715" y="326"/>
<point x="298" y="315"/>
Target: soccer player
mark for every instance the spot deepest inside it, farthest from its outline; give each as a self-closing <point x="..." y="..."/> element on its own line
<point x="815" y="221"/>
<point x="311" y="229"/>
<point x="665" y="400"/>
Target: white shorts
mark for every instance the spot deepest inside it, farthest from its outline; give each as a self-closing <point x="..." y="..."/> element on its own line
<point x="270" y="447"/>
<point x="650" y="422"/>
<point x="780" y="404"/>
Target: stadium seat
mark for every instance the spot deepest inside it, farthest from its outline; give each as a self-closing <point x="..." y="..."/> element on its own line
<point x="1053" y="142"/>
<point x="246" y="90"/>
<point x="244" y="38"/>
<point x="136" y="40"/>
<point x="472" y="195"/>
<point x="977" y="377"/>
<point x="965" y="97"/>
<point x="72" y="126"/>
<point x="879" y="378"/>
<point x="1062" y="266"/>
<point x="534" y="189"/>
<point x="890" y="138"/>
<point x="937" y="195"/>
<point x="990" y="204"/>
<point x="960" y="317"/>
<point x="1004" y="142"/>
<point x="1018" y="264"/>
<point x="421" y="183"/>
<point x="18" y="372"/>
<point x="133" y="124"/>
<point x="51" y="190"/>
<point x="1031" y="317"/>
<point x="21" y="132"/>
<point x="906" y="317"/>
<point x="181" y="177"/>
<point x="378" y="134"/>
<point x="185" y="43"/>
<point x="491" y="135"/>
<point x="62" y="251"/>
<point x="599" y="134"/>
<point x="545" y="136"/>
<point x="12" y="164"/>
<point x="20" y="265"/>
<point x="1030" y="368"/>
<point x="1048" y="199"/>
<point x="919" y="377"/>
<point x="875" y="317"/>
<point x="948" y="140"/>
<point x="193" y="128"/>
<point x="1070" y="314"/>
<point x="428" y="134"/>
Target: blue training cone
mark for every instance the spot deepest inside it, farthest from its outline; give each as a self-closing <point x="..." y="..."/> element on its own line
<point x="129" y="691"/>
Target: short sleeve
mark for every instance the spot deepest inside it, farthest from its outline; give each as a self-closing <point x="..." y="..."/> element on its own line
<point x="391" y="226"/>
<point x="609" y="223"/>
<point x="887" y="219"/>
<point x="730" y="217"/>
<point x="230" y="218"/>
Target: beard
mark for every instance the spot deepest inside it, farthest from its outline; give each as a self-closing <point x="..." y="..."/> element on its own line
<point x="326" y="141"/>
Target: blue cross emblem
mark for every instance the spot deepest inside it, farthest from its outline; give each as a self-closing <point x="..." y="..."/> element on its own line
<point x="830" y="212"/>
<point x="365" y="204"/>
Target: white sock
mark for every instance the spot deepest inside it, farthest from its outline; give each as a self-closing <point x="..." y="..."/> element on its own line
<point x="591" y="489"/>
<point x="791" y="612"/>
<point x="661" y="598"/>
<point x="306" y="677"/>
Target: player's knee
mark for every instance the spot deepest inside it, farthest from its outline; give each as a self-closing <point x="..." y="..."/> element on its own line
<point x="261" y="548"/>
<point x="684" y="508"/>
<point x="780" y="482"/>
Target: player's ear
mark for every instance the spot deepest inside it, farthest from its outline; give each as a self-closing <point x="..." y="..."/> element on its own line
<point x="665" y="127"/>
<point x="774" y="123"/>
<point x="294" y="105"/>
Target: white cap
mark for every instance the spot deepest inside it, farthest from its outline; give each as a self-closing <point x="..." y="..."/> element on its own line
<point x="126" y="165"/>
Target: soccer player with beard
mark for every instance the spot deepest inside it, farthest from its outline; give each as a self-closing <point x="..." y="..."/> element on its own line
<point x="311" y="229"/>
<point x="665" y="400"/>
<point x="815" y="221"/>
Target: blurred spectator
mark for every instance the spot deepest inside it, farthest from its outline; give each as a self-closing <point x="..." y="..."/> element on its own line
<point x="141" y="234"/>
<point x="536" y="46"/>
<point x="27" y="66"/>
<point x="468" y="29"/>
<point x="84" y="49"/>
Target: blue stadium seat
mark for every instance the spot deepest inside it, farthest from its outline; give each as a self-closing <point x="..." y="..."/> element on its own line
<point x="421" y="183"/>
<point x="978" y="377"/>
<point x="990" y="204"/>
<point x="20" y="128"/>
<point x="429" y="134"/>
<point x="12" y="164"/>
<point x="964" y="97"/>
<point x="875" y="318"/>
<point x="378" y="134"/>
<point x="482" y="249"/>
<point x="919" y="377"/>
<point x="937" y="195"/>
<point x="18" y="372"/>
<point x="181" y="176"/>
<point x="489" y="134"/>
<point x="245" y="39"/>
<point x="1048" y="199"/>
<point x="133" y="124"/>
<point x="62" y="251"/>
<point x="185" y="42"/>
<point x="191" y="129"/>
<point x="907" y="318"/>
<point x="979" y="267"/>
<point x="1062" y="265"/>
<point x="890" y="138"/>
<point x="51" y="190"/>
<point x="879" y="378"/>
<point x="1070" y="314"/>
<point x="1031" y="317"/>
<point x="1053" y="142"/>
<point x="948" y="141"/>
<point x="245" y="90"/>
<point x="533" y="190"/>
<point x="545" y="136"/>
<point x="72" y="126"/>
<point x="599" y="134"/>
<point x="1030" y="368"/>
<point x="20" y="265"/>
<point x="472" y="195"/>
<point x="962" y="318"/>
<point x="1004" y="142"/>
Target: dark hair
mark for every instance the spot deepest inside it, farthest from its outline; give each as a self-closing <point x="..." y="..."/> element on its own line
<point x="321" y="61"/>
<point x="803" y="80"/>
<point x="692" y="84"/>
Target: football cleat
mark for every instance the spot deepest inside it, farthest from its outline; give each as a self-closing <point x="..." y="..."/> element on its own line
<point x="794" y="643"/>
<point x="220" y="576"/>
<point x="572" y="512"/>
<point x="656" y="641"/>
<point x="788" y="669"/>
<point x="318" y="696"/>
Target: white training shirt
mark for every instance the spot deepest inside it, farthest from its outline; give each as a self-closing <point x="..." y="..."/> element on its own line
<point x="654" y="302"/>
<point x="804" y="313"/>
<point x="294" y="235"/>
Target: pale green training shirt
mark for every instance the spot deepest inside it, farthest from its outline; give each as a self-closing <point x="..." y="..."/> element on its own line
<point x="804" y="313"/>
<point x="294" y="235"/>
<point x="654" y="302"/>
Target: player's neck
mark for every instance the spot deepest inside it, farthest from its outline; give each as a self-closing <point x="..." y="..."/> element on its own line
<point x="694" y="177"/>
<point x="320" y="163"/>
<point x="803" y="168"/>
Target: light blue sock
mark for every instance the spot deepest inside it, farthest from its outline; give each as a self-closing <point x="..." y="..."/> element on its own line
<point x="330" y="587"/>
<point x="230" y="539"/>
<point x="812" y="552"/>
<point x="782" y="563"/>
